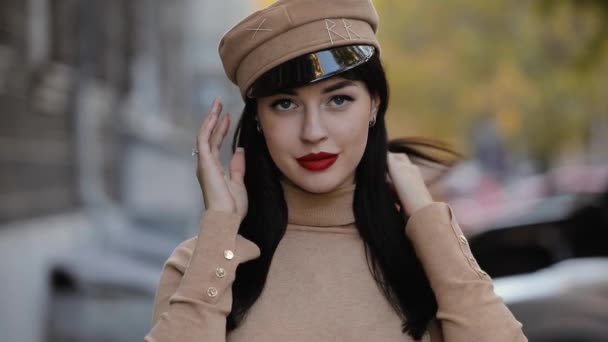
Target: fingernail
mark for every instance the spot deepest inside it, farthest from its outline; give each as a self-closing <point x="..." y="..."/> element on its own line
<point x="240" y="150"/>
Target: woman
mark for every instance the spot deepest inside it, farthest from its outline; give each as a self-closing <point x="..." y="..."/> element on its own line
<point x="318" y="232"/>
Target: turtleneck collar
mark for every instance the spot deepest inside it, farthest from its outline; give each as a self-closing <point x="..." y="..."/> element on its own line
<point x="330" y="209"/>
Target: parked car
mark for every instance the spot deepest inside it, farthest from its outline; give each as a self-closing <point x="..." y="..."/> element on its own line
<point x="551" y="267"/>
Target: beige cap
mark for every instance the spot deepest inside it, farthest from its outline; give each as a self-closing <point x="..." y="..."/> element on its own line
<point x="291" y="28"/>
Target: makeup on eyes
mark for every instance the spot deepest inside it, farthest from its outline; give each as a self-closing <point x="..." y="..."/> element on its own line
<point x="276" y="103"/>
<point x="344" y="98"/>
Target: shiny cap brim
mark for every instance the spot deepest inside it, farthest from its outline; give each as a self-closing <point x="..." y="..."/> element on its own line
<point x="309" y="68"/>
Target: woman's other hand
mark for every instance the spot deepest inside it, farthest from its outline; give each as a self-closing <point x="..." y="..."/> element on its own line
<point x="220" y="191"/>
<point x="408" y="183"/>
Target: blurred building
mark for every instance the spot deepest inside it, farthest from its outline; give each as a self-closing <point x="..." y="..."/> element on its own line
<point x="148" y="68"/>
<point x="100" y="102"/>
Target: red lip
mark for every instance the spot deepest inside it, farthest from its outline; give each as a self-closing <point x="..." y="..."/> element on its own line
<point x="316" y="156"/>
<point x="317" y="161"/>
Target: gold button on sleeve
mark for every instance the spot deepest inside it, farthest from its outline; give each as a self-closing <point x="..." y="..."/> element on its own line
<point x="220" y="272"/>
<point x="463" y="240"/>
<point x="228" y="254"/>
<point x="212" y="292"/>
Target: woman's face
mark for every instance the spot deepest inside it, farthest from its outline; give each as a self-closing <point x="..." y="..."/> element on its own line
<point x="330" y="116"/>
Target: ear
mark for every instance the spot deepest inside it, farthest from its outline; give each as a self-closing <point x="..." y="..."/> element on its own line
<point x="375" y="106"/>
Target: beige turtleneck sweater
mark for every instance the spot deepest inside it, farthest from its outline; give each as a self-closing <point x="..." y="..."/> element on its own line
<point x="319" y="287"/>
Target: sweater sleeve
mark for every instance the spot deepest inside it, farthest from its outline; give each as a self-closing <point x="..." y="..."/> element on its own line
<point x="194" y="295"/>
<point x="468" y="308"/>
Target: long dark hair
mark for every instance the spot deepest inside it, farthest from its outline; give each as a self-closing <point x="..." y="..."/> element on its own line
<point x="394" y="264"/>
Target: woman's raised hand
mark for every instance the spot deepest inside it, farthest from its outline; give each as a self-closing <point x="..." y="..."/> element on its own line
<point x="221" y="192"/>
<point x="408" y="183"/>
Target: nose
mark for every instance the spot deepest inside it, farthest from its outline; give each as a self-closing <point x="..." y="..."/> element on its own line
<point x="313" y="128"/>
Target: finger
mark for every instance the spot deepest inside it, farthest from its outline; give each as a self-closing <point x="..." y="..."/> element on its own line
<point x="211" y="108"/>
<point x="400" y="157"/>
<point x="208" y="125"/>
<point x="218" y="134"/>
<point x="403" y="157"/>
<point x="237" y="166"/>
<point x="391" y="160"/>
<point x="209" y="116"/>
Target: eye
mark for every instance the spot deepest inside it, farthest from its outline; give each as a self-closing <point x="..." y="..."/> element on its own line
<point x="340" y="100"/>
<point x="282" y="104"/>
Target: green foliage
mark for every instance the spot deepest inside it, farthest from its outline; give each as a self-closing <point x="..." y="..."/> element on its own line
<point x="451" y="62"/>
<point x="596" y="43"/>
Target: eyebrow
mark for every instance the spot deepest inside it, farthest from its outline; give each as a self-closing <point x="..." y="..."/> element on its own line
<point x="339" y="85"/>
<point x="333" y="87"/>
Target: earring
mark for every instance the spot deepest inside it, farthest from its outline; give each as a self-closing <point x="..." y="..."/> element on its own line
<point x="373" y="122"/>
